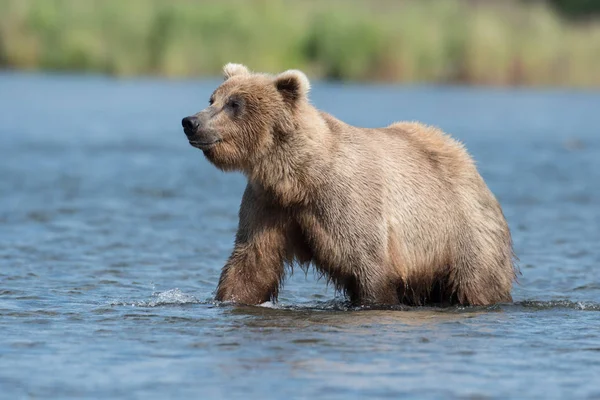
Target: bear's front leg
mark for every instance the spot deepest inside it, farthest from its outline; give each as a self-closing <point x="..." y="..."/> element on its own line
<point x="255" y="269"/>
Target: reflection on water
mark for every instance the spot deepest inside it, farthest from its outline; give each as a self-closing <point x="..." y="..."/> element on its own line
<point x="113" y="231"/>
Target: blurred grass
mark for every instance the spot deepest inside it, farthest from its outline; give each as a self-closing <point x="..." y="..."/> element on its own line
<point x="458" y="41"/>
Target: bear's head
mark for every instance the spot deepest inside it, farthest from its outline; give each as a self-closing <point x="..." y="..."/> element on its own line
<point x="248" y="115"/>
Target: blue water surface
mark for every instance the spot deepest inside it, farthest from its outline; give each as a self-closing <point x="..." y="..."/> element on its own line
<point x="113" y="231"/>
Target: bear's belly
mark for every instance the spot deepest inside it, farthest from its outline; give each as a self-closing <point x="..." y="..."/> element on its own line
<point x="342" y="243"/>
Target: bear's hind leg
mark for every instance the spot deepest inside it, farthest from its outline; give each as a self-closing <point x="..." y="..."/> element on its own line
<point x="373" y="290"/>
<point x="479" y="283"/>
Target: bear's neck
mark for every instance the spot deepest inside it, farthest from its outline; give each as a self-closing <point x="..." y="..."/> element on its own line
<point x="299" y="165"/>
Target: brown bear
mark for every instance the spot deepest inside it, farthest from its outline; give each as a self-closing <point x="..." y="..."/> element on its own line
<point x="394" y="215"/>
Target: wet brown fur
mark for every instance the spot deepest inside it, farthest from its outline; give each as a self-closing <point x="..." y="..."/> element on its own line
<point x="390" y="215"/>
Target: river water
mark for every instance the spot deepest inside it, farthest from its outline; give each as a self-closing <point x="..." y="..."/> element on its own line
<point x="113" y="231"/>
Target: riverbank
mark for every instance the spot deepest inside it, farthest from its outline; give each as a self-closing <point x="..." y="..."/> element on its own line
<point x="453" y="41"/>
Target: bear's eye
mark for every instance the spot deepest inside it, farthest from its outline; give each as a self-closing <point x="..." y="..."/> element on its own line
<point x="233" y="104"/>
<point x="211" y="100"/>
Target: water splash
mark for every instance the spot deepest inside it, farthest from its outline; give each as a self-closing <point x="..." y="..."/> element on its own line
<point x="169" y="297"/>
<point x="173" y="296"/>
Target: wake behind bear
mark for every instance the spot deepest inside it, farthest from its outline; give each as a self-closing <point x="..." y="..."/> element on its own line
<point x="390" y="215"/>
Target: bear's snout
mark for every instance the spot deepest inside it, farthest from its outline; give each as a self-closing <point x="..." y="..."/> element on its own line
<point x="190" y="125"/>
<point x="198" y="131"/>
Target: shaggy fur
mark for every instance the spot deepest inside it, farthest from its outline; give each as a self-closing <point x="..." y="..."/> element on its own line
<point x="390" y="215"/>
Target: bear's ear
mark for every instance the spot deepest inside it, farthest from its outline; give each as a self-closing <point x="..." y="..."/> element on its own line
<point x="293" y="85"/>
<point x="232" y="69"/>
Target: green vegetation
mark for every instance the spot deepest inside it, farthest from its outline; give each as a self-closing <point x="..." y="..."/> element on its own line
<point x="577" y="8"/>
<point x="477" y="42"/>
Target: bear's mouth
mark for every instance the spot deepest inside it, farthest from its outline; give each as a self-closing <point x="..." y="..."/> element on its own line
<point x="203" y="145"/>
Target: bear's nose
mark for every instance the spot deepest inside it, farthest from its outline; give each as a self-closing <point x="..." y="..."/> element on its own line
<point x="190" y="124"/>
